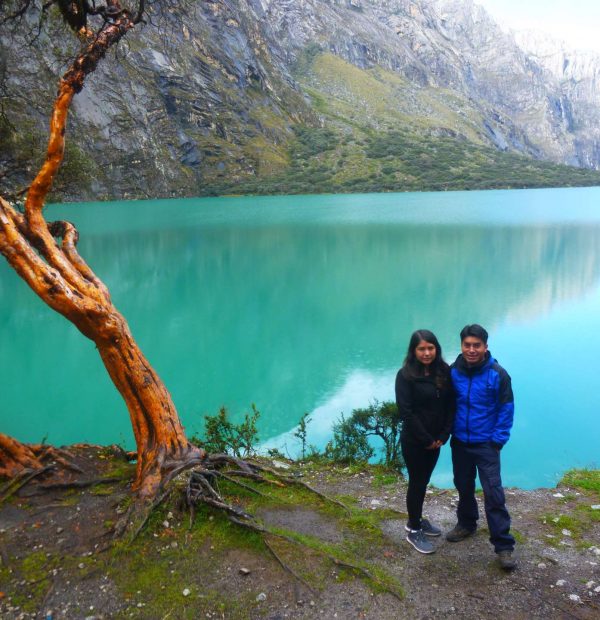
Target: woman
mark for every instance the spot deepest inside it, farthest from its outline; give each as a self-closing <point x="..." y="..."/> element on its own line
<point x="426" y="406"/>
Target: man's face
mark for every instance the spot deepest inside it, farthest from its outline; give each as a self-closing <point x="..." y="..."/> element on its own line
<point x="473" y="350"/>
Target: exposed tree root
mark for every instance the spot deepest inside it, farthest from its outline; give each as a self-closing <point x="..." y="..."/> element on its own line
<point x="202" y="488"/>
<point x="286" y="567"/>
<point x="17" y="457"/>
<point x="75" y="484"/>
<point x="16" y="484"/>
<point x="295" y="481"/>
<point x="363" y="572"/>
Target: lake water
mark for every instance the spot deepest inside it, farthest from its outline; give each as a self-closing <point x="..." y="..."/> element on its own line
<point x="306" y="303"/>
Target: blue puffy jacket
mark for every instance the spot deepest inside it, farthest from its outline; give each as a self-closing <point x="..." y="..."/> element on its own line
<point x="484" y="402"/>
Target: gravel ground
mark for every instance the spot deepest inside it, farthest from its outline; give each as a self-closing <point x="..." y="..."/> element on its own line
<point x="57" y="558"/>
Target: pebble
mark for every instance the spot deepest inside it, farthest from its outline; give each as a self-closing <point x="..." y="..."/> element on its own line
<point x="375" y="502"/>
<point x="566" y="532"/>
<point x="597" y="589"/>
<point x="186" y="592"/>
<point x="244" y="571"/>
<point x="561" y="582"/>
<point x="557" y="495"/>
<point x="575" y="597"/>
<point x="261" y="597"/>
<point x="541" y="565"/>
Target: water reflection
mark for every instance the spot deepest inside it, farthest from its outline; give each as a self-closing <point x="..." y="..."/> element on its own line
<point x="295" y="318"/>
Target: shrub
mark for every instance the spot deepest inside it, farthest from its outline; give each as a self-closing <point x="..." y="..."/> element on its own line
<point x="351" y="436"/>
<point x="222" y="436"/>
<point x="350" y="444"/>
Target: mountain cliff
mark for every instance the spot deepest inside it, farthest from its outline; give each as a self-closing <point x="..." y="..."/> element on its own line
<point x="305" y="95"/>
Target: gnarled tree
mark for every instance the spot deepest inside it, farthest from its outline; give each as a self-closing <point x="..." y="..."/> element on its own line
<point x="44" y="254"/>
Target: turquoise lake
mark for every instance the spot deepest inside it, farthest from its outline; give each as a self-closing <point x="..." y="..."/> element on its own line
<point x="306" y="303"/>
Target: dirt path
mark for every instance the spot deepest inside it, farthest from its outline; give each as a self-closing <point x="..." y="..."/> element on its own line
<point x="57" y="560"/>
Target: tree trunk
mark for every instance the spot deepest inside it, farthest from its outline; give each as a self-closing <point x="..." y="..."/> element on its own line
<point x="159" y="436"/>
<point x="62" y="279"/>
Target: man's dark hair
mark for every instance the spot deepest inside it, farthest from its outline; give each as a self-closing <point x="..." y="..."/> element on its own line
<point x="474" y="330"/>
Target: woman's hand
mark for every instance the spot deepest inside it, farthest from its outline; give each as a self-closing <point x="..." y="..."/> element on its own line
<point x="435" y="445"/>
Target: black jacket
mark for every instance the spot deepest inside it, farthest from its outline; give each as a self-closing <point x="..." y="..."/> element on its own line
<point x="426" y="407"/>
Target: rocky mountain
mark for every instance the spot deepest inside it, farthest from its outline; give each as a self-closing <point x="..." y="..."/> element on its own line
<point x="296" y="95"/>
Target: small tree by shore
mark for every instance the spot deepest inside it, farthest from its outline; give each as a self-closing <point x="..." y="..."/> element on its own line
<point x="351" y="435"/>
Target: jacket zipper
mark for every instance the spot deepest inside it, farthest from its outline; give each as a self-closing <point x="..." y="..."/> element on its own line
<point x="469" y="409"/>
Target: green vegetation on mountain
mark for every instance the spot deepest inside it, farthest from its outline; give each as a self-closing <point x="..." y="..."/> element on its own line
<point x="379" y="133"/>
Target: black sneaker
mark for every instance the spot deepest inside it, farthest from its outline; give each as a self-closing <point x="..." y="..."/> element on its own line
<point x="458" y="532"/>
<point x="428" y="528"/>
<point x="506" y="560"/>
<point x="418" y="540"/>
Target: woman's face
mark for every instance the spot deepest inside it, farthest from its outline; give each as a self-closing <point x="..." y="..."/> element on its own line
<point x="425" y="352"/>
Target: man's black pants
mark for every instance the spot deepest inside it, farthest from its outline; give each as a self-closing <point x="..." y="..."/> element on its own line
<point x="419" y="465"/>
<point x="484" y="458"/>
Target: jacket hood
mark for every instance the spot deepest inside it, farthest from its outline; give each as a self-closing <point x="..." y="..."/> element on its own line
<point x="461" y="364"/>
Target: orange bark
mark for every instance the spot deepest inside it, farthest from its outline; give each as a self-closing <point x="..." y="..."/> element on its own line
<point x="62" y="279"/>
<point x="16" y="456"/>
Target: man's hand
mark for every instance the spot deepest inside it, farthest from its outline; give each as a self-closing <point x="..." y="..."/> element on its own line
<point x="435" y="445"/>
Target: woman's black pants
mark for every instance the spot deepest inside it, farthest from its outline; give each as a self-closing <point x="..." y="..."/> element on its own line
<point x="420" y="464"/>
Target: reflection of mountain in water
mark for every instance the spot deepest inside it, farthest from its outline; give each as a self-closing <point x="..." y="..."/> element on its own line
<point x="280" y="315"/>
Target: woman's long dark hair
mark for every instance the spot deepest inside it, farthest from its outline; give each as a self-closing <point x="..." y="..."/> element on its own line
<point x="413" y="368"/>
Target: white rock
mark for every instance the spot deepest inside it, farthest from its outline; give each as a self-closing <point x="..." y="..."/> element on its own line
<point x="186" y="592"/>
<point x="566" y="532"/>
<point x="280" y="465"/>
<point x="261" y="597"/>
<point x="561" y="582"/>
<point x="589" y="584"/>
<point x="165" y="524"/>
<point x="597" y="589"/>
<point x="595" y="506"/>
<point x="575" y="597"/>
<point x="557" y="495"/>
<point x="541" y="565"/>
<point x="375" y="502"/>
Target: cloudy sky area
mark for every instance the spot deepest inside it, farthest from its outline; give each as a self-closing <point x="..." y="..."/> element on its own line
<point x="577" y="22"/>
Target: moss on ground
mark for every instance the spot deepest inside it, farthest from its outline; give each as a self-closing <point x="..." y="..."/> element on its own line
<point x="587" y="480"/>
<point x="576" y="519"/>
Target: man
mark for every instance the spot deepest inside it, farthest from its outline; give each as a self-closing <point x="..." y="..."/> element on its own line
<point x="484" y="417"/>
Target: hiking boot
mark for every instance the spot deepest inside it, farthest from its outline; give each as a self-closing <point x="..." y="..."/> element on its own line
<point x="428" y="528"/>
<point x="458" y="532"/>
<point x="417" y="539"/>
<point x="506" y="560"/>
